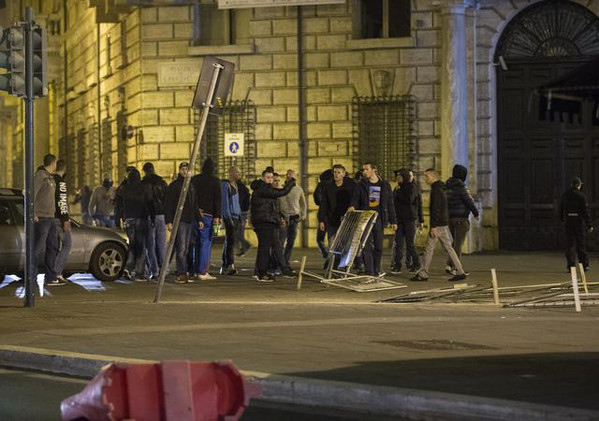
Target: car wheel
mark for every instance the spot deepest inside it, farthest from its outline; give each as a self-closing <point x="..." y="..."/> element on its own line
<point x="108" y="261"/>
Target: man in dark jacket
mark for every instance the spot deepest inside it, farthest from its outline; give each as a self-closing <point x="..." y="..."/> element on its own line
<point x="244" y="204"/>
<point x="188" y="220"/>
<point x="208" y="208"/>
<point x="135" y="199"/>
<point x="374" y="193"/>
<point x="335" y="198"/>
<point x="439" y="230"/>
<point x="405" y="198"/>
<point x="64" y="223"/>
<point x="156" y="241"/>
<point x="460" y="204"/>
<point x="574" y="213"/>
<point x="324" y="177"/>
<point x="265" y="219"/>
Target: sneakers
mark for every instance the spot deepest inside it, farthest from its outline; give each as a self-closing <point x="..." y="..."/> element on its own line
<point x="449" y="270"/>
<point x="126" y="275"/>
<point x="288" y="273"/>
<point x="206" y="277"/>
<point x="181" y="279"/>
<point x="55" y="283"/>
<point x="265" y="278"/>
<point x="228" y="270"/>
<point x="418" y="278"/>
<point x="458" y="278"/>
<point x="395" y="270"/>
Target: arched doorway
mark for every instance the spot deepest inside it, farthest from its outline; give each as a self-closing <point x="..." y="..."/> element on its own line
<point x="539" y="151"/>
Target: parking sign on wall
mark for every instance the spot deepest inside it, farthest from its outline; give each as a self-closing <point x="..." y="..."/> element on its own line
<point x="234" y="144"/>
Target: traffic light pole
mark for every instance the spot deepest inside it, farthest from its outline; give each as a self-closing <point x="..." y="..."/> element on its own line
<point x="29" y="165"/>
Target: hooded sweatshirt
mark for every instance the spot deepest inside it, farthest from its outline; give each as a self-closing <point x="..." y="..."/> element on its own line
<point x="405" y="198"/>
<point x="62" y="202"/>
<point x="102" y="200"/>
<point x="459" y="200"/>
<point x="208" y="191"/>
<point x="158" y="187"/>
<point x="44" y="194"/>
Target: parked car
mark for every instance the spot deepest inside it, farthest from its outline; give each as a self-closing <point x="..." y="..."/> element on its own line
<point x="101" y="251"/>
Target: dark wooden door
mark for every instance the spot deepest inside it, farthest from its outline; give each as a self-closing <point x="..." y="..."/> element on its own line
<point x="537" y="158"/>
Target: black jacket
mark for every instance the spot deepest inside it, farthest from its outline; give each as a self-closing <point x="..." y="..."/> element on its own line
<point x="173" y="192"/>
<point x="387" y="210"/>
<point x="62" y="202"/>
<point x="208" y="194"/>
<point x="405" y="198"/>
<point x="459" y="199"/>
<point x="244" y="196"/>
<point x="263" y="209"/>
<point x="158" y="187"/>
<point x="334" y="201"/>
<point x="574" y="202"/>
<point x="438" y="205"/>
<point x="135" y="199"/>
<point x="420" y="211"/>
<point x="324" y="177"/>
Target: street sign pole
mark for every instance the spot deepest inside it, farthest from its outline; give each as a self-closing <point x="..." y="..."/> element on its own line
<point x="30" y="282"/>
<point x="183" y="196"/>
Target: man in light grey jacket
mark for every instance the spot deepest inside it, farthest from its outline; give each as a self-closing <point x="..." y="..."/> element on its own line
<point x="294" y="210"/>
<point x="46" y="224"/>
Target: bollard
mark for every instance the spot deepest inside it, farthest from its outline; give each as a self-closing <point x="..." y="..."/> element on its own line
<point x="495" y="288"/>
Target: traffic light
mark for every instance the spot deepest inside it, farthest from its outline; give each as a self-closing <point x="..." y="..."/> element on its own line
<point x="12" y="58"/>
<point x="40" y="62"/>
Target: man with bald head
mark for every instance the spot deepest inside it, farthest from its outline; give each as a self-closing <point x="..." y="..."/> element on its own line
<point x="231" y="215"/>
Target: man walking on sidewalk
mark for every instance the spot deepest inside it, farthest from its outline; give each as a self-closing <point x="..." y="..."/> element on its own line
<point x="294" y="210"/>
<point x="188" y="219"/>
<point x="101" y="203"/>
<point x="46" y="224"/>
<point x="265" y="220"/>
<point x="373" y="193"/>
<point x="231" y="213"/>
<point x="439" y="230"/>
<point x="574" y="212"/>
<point x="156" y="240"/>
<point x="62" y="214"/>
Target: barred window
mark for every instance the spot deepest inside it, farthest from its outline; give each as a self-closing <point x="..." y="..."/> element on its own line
<point x="384" y="132"/>
<point x="238" y="117"/>
<point x="383" y="18"/>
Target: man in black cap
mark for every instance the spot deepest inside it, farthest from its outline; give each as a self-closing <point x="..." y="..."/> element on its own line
<point x="573" y="211"/>
<point x="156" y="239"/>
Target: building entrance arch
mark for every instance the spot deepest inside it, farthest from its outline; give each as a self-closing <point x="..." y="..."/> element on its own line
<point x="540" y="150"/>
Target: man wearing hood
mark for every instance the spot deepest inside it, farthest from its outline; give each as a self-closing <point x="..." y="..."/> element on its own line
<point x="325" y="176"/>
<point x="46" y="224"/>
<point x="460" y="204"/>
<point x="265" y="219"/>
<point x="101" y="204"/>
<point x="208" y="211"/>
<point x="405" y="199"/>
<point x="156" y="240"/>
<point x="188" y="220"/>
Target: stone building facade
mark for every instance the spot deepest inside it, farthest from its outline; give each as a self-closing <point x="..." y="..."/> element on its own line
<point x="137" y="66"/>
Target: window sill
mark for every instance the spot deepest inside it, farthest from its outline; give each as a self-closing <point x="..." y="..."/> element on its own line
<point x="378" y="43"/>
<point x="220" y="50"/>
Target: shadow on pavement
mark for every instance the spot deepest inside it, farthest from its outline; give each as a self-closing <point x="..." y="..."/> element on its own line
<point x="562" y="379"/>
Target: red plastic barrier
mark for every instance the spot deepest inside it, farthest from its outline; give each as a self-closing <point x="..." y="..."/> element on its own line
<point x="168" y="391"/>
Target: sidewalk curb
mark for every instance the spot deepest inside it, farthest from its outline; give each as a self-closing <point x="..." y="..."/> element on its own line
<point x="346" y="397"/>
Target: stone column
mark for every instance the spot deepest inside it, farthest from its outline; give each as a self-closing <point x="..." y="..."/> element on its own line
<point x="454" y="88"/>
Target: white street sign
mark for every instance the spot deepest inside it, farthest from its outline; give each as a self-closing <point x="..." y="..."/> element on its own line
<point x="234" y="143"/>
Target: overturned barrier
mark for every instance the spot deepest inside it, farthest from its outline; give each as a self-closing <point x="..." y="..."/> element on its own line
<point x="348" y="243"/>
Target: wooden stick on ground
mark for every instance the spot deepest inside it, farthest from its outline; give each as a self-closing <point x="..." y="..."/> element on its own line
<point x="301" y="273"/>
<point x="575" y="289"/>
<point x="583" y="276"/>
<point x="495" y="288"/>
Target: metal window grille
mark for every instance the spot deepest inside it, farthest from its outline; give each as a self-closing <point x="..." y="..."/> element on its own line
<point x="384" y="132"/>
<point x="121" y="123"/>
<point x="81" y="156"/>
<point x="239" y="117"/>
<point x="106" y="148"/>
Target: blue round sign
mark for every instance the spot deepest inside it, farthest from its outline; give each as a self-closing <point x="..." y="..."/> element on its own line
<point x="234" y="147"/>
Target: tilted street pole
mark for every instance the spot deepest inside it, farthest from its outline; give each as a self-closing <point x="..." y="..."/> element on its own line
<point x="30" y="271"/>
<point x="183" y="196"/>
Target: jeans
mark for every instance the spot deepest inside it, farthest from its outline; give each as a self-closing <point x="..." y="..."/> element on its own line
<point x="46" y="246"/>
<point x="137" y="232"/>
<point x="266" y="240"/>
<point x="444" y="236"/>
<point x="104" y="220"/>
<point x="459" y="228"/>
<point x="575" y="241"/>
<point x="403" y="244"/>
<point x="203" y="245"/>
<point x="277" y="258"/>
<point x="65" y="244"/>
<point x="182" y="246"/>
<point x="320" y="237"/>
<point x="291" y="235"/>
<point x="156" y="244"/>
<point x="231" y="235"/>
<point x="373" y="250"/>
